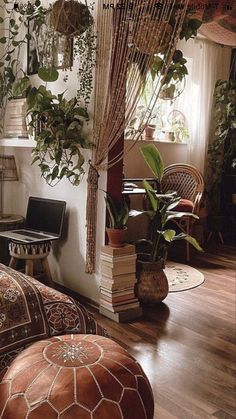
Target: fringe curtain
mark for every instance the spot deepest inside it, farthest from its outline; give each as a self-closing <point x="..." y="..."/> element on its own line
<point x="127" y="39"/>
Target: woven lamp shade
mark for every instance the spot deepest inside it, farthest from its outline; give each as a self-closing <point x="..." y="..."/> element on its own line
<point x="8" y="167"/>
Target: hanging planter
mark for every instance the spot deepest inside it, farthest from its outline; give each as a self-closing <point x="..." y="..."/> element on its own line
<point x="148" y="36"/>
<point x="70" y="17"/>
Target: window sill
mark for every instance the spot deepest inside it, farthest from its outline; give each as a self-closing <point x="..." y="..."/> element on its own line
<point x="156" y="140"/>
<point x="17" y="142"/>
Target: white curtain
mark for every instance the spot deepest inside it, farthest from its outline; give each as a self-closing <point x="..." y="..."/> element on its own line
<point x="209" y="63"/>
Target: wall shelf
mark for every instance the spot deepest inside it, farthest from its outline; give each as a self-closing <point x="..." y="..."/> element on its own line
<point x="17" y="142"/>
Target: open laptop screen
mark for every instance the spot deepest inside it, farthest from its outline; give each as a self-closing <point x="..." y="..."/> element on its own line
<point x="45" y="215"/>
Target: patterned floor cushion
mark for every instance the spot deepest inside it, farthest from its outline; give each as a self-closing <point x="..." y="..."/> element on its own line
<point x="30" y="311"/>
<point x="78" y="376"/>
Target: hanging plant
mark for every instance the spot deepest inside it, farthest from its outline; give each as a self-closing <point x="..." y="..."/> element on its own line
<point x="70" y="17"/>
<point x="57" y="125"/>
<point x="172" y="83"/>
<point x="14" y="36"/>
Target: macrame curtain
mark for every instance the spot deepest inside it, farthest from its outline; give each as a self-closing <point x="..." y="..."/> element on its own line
<point x="127" y="39"/>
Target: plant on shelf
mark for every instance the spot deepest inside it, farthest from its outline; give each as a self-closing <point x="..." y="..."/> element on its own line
<point x="15" y="35"/>
<point x="137" y="123"/>
<point x="222" y="150"/>
<point x="118" y="215"/>
<point x="151" y="262"/>
<point x="57" y="125"/>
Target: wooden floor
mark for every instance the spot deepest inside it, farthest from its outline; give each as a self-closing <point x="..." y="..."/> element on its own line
<point x="187" y="345"/>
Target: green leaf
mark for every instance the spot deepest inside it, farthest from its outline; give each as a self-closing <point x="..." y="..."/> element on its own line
<point x="20" y="86"/>
<point x="35" y="159"/>
<point x="48" y="74"/>
<point x="189" y="239"/>
<point x="55" y="172"/>
<point x="153" y="159"/>
<point x="151" y="195"/>
<point x="169" y="235"/>
<point x="173" y="204"/>
<point x="173" y="215"/>
<point x="3" y="40"/>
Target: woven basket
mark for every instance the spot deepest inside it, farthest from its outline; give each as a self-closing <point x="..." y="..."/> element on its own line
<point x="152" y="286"/>
<point x="70" y="17"/>
<point x="148" y="34"/>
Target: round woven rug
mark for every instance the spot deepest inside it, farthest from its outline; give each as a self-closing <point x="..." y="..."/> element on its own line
<point x="182" y="277"/>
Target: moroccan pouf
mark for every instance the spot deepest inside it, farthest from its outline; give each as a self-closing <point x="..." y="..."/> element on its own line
<point x="75" y="376"/>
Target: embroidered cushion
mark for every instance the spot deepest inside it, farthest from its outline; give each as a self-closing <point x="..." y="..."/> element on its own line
<point x="31" y="311"/>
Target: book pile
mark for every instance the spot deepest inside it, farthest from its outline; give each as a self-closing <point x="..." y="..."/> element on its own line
<point x="15" y="124"/>
<point x="117" y="298"/>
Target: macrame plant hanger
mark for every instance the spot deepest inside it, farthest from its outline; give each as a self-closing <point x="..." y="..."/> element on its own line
<point x="127" y="40"/>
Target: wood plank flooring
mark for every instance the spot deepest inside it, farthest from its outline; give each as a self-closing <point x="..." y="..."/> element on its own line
<point x="187" y="344"/>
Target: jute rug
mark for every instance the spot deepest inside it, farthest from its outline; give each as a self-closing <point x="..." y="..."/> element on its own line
<point x="182" y="277"/>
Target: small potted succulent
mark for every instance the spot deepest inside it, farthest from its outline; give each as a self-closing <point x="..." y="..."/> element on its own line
<point x="118" y="215"/>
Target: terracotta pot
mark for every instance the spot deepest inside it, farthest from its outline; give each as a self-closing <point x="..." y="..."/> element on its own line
<point x="152" y="286"/>
<point x="149" y="131"/>
<point x="70" y="17"/>
<point x="116" y="237"/>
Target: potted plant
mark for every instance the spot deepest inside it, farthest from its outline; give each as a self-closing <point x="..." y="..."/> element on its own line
<point x="221" y="152"/>
<point x="57" y="125"/>
<point x="118" y="215"/>
<point x="152" y="283"/>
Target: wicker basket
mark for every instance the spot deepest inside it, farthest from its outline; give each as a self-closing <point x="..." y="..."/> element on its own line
<point x="152" y="286"/>
<point x="148" y="34"/>
<point x="70" y="17"/>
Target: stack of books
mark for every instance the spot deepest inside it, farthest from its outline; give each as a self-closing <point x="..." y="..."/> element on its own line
<point x="15" y="124"/>
<point x="117" y="297"/>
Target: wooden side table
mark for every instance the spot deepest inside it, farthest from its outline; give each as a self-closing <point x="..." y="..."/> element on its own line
<point x="8" y="222"/>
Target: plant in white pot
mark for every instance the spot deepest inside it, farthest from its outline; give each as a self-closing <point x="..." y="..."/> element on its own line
<point x="118" y="215"/>
<point x="152" y="283"/>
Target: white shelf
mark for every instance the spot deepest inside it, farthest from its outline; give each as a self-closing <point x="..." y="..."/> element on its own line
<point x="17" y="142"/>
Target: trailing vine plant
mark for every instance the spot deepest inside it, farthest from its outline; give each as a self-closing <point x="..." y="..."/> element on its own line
<point x="55" y="121"/>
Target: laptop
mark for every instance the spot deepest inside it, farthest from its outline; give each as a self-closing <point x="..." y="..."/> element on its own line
<point x="44" y="221"/>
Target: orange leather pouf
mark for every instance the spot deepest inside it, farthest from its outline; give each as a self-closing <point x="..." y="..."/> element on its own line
<point x="75" y="376"/>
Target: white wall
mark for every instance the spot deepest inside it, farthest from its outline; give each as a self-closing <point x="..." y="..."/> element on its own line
<point x="135" y="166"/>
<point x="67" y="261"/>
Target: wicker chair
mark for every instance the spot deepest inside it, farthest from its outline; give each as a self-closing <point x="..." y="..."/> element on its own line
<point x="188" y="182"/>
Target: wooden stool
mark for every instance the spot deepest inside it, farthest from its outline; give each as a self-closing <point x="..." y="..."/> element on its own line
<point x="31" y="253"/>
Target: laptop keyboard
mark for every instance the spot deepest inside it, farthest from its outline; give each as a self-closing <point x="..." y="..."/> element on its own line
<point x="28" y="234"/>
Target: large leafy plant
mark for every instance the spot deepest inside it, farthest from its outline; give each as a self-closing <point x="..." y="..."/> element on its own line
<point x="57" y="125"/>
<point x="161" y="212"/>
<point x="222" y="150"/>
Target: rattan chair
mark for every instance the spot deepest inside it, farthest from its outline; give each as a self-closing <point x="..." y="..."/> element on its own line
<point x="188" y="182"/>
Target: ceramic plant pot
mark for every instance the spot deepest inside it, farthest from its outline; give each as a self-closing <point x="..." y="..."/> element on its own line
<point x="152" y="285"/>
<point x="149" y="132"/>
<point x="116" y="236"/>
